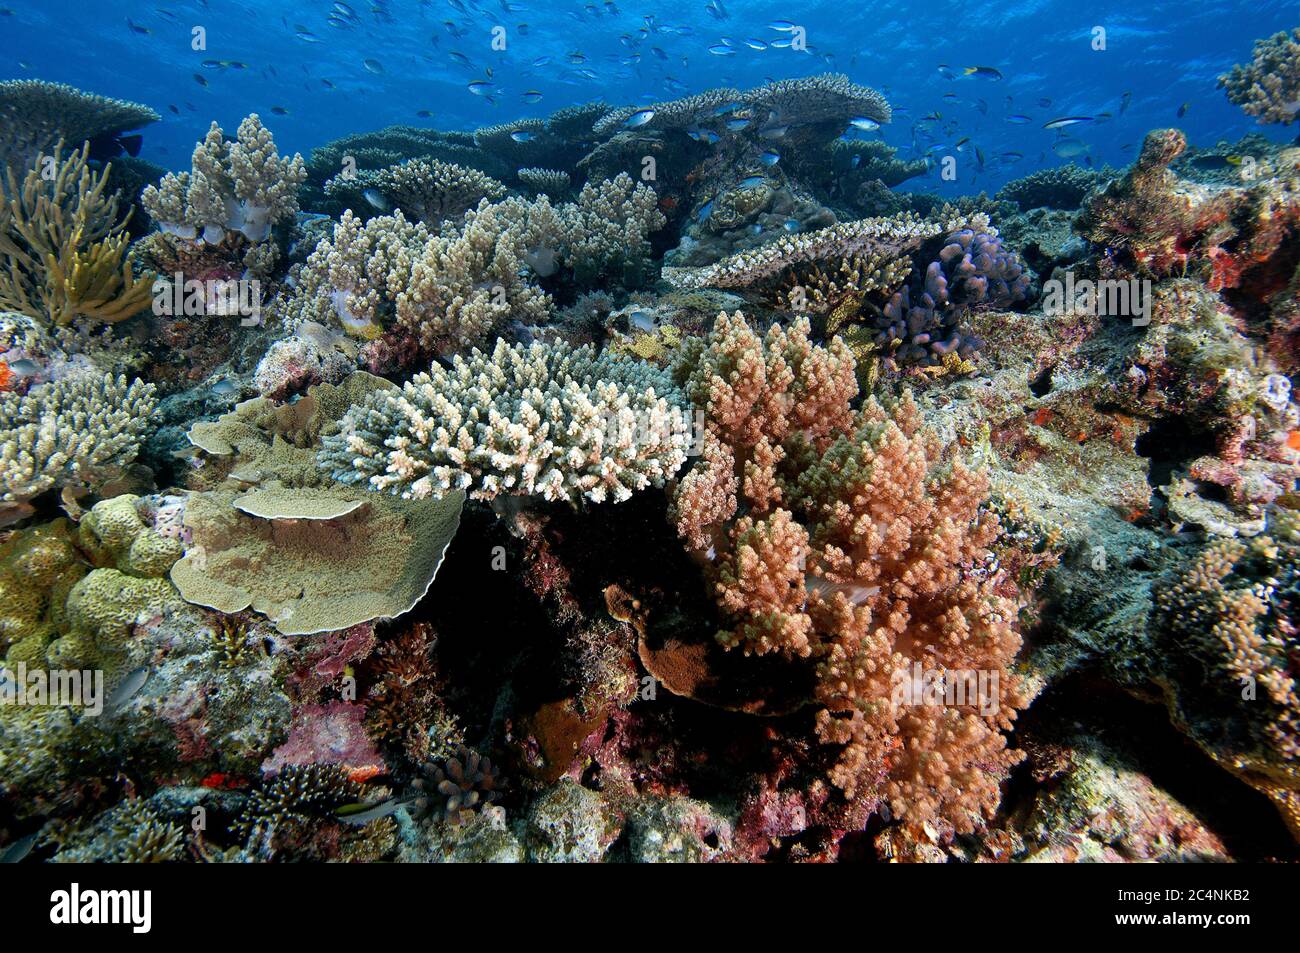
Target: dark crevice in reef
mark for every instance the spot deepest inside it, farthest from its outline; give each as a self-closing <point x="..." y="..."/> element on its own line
<point x="1084" y="708"/>
<point x="1170" y="443"/>
<point x="1041" y="385"/>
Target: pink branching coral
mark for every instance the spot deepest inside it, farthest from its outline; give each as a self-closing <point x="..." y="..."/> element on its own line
<point x="847" y="537"/>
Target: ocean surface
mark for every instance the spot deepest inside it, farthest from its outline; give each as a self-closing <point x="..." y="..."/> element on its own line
<point x="318" y="70"/>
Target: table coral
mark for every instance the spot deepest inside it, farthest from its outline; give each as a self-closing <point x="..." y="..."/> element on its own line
<point x="37" y="115"/>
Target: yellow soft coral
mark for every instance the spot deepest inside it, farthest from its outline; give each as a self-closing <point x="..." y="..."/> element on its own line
<point x="65" y="246"/>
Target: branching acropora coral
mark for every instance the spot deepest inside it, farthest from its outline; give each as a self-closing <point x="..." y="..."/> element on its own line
<point x="65" y="246"/>
<point x="845" y="536"/>
<point x="549" y="420"/>
<point x="1269" y="88"/>
<point x="73" y="432"/>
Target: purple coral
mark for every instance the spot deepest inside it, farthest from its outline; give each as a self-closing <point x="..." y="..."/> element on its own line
<point x="973" y="272"/>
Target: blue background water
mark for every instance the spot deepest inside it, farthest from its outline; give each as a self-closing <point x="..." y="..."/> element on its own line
<point x="1164" y="53"/>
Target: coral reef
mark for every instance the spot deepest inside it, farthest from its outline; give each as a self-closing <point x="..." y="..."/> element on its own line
<point x="907" y="566"/>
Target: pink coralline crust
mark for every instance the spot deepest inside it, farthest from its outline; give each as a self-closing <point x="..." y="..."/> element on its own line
<point x="858" y="544"/>
<point x="326" y="656"/>
<point x="769" y="815"/>
<point x="333" y="733"/>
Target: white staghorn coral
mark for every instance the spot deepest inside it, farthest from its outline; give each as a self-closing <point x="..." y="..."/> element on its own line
<point x="73" y="432"/>
<point x="549" y="420"/>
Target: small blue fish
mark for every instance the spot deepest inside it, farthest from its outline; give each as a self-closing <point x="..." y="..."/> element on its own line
<point x="736" y="125"/>
<point x="24" y="367"/>
<point x="1065" y="121"/>
<point x="751" y="182"/>
<point x="862" y="122"/>
<point x="705" y="211"/>
<point x="720" y="49"/>
<point x="522" y="136"/>
<point x="773" y="132"/>
<point x="15" y="852"/>
<point x="770" y="157"/>
<point x="479" y="87"/>
<point x="639" y="118"/>
<point x="791" y="225"/>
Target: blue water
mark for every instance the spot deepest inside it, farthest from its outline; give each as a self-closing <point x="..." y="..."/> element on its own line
<point x="325" y="76"/>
